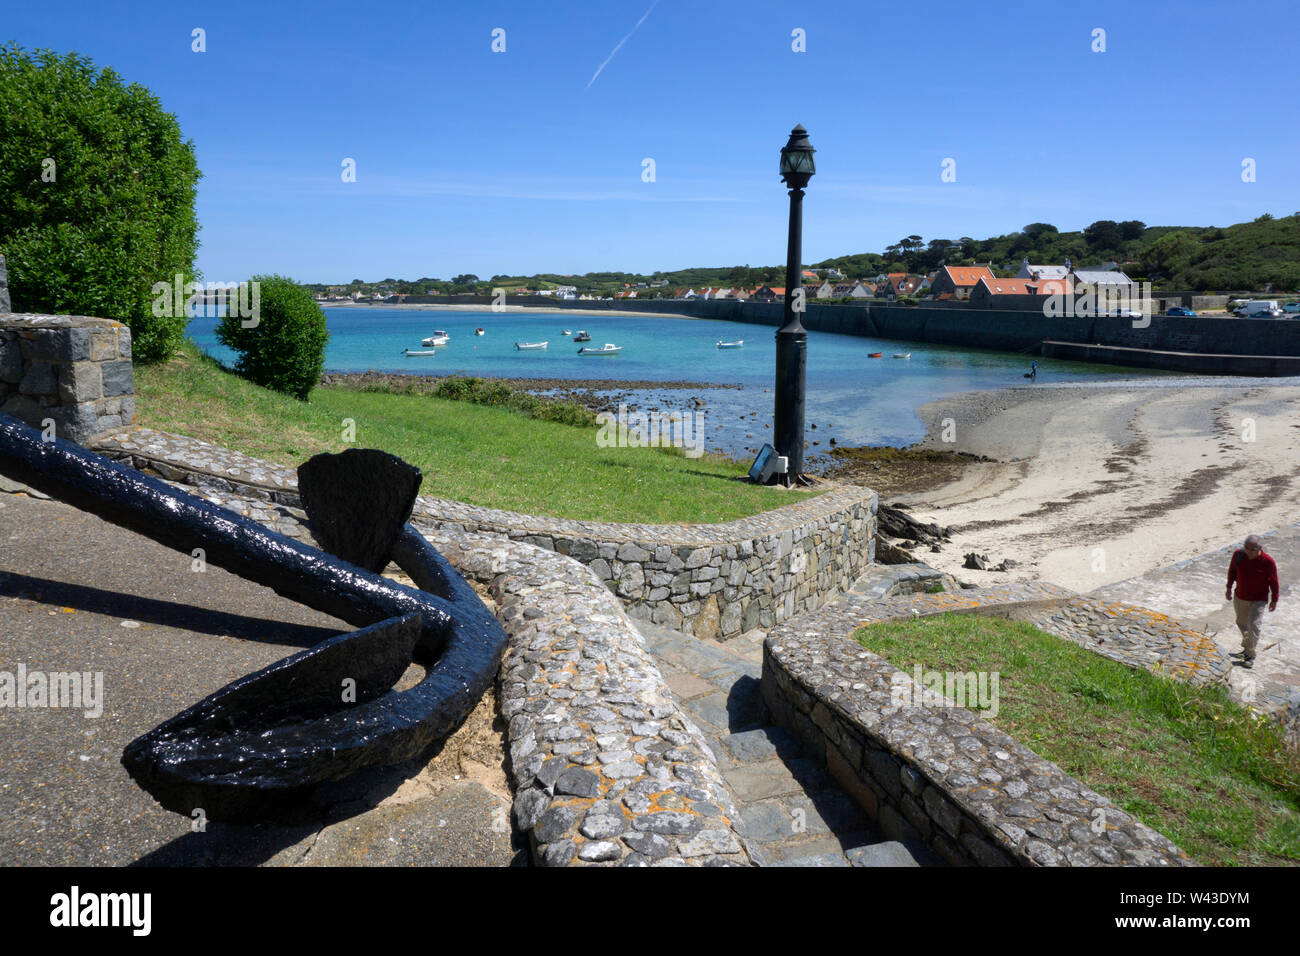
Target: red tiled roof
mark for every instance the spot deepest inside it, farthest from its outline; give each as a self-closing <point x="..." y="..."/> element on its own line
<point x="963" y="276"/>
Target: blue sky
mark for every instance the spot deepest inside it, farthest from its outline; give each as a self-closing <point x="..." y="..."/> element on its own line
<point x="517" y="162"/>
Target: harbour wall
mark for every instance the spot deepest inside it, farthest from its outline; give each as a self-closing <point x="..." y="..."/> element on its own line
<point x="1006" y="330"/>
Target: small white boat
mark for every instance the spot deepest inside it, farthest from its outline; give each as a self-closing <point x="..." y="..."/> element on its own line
<point x="906" y="355"/>
<point x="581" y="336"/>
<point x="609" y="348"/>
<point x="738" y="344"/>
<point x="437" y="338"/>
<point x="479" y="330"/>
<point x="531" y="346"/>
<point x="411" y="352"/>
<point x="565" y="332"/>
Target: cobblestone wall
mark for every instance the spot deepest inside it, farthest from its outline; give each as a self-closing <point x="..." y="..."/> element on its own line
<point x="608" y="769"/>
<point x="714" y="581"/>
<point x="71" y="369"/>
<point x="931" y="771"/>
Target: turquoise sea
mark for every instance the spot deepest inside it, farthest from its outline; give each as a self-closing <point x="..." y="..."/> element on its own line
<point x="856" y="399"/>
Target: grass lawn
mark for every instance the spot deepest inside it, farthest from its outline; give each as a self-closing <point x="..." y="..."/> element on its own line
<point x="484" y="455"/>
<point x="1188" y="762"/>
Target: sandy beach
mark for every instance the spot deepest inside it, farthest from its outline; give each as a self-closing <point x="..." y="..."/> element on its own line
<point x="1093" y="485"/>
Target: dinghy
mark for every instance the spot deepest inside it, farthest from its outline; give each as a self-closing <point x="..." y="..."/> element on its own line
<point x="738" y="344"/>
<point x="609" y="348"/>
<point x="906" y="355"/>
<point x="411" y="352"/>
<point x="531" y="346"/>
<point x="875" y="354"/>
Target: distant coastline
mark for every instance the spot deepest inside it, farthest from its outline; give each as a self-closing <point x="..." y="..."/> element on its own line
<point x="435" y="307"/>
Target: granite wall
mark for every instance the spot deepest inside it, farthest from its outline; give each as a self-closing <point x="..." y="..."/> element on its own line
<point x="72" y="370"/>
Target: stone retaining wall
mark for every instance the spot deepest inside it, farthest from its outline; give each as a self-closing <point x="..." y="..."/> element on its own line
<point x="607" y="768"/>
<point x="714" y="581"/>
<point x="71" y="369"/>
<point x="929" y="770"/>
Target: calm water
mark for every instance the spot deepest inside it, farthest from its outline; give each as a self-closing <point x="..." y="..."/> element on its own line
<point x="856" y="399"/>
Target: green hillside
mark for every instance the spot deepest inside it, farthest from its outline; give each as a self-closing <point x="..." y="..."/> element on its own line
<point x="1258" y="256"/>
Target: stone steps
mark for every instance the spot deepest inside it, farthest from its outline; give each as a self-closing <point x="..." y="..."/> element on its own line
<point x="791" y="811"/>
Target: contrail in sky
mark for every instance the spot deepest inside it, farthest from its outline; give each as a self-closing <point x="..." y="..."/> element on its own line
<point x="620" y="44"/>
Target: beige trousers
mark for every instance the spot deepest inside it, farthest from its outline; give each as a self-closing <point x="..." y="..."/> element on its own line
<point x="1250" y="615"/>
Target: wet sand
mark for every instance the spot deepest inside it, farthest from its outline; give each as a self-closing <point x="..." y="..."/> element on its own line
<point x="1094" y="485"/>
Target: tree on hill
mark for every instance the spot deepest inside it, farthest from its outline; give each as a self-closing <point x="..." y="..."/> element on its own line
<point x="97" y="192"/>
<point x="1103" y="235"/>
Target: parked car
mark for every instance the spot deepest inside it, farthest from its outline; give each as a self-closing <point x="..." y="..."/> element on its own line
<point x="1181" y="310"/>
<point x="1264" y="314"/>
<point x="1291" y="308"/>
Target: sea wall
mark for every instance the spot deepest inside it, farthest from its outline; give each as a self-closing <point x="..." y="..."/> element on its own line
<point x="72" y="370"/>
<point x="1021" y="329"/>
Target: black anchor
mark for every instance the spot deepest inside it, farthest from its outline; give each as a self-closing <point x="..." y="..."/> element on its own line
<point x="256" y="748"/>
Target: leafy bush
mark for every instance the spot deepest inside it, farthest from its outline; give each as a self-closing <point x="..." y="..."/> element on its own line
<point x="97" y="195"/>
<point x="284" y="349"/>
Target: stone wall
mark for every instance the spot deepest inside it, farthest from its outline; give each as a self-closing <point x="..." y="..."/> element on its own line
<point x="608" y="768"/>
<point x="71" y="369"/>
<point x="713" y="581"/>
<point x="929" y="770"/>
<point x="4" y="288"/>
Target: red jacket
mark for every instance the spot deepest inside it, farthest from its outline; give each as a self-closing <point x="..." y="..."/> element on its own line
<point x="1256" y="578"/>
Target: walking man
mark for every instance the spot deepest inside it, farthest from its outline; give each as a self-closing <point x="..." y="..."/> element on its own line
<point x="1255" y="574"/>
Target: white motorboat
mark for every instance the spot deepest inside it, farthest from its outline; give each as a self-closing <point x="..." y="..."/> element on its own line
<point x="565" y="332"/>
<point x="738" y="344"/>
<point x="581" y="336"/>
<point x="609" y="348"/>
<point x="437" y="338"/>
<point x="479" y="330"/>
<point x="531" y="346"/>
<point x="906" y="355"/>
<point x="412" y="352"/>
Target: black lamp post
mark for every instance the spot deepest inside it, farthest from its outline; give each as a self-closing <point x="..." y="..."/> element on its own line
<point x="792" y="339"/>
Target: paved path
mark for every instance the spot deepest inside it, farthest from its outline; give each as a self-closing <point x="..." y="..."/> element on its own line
<point x="791" y="811"/>
<point x="1192" y="592"/>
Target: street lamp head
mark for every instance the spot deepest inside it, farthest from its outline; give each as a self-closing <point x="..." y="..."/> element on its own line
<point x="797" y="165"/>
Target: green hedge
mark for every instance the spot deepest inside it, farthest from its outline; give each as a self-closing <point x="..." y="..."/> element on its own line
<point x="97" y="194"/>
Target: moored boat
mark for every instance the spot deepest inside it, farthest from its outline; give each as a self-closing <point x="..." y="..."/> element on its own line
<point x="479" y="330"/>
<point x="581" y="336"/>
<point x="609" y="348"/>
<point x="411" y="352"/>
<point x="875" y="354"/>
<point x="531" y="346"/>
<point x="565" y="332"/>
<point x="437" y="338"/>
<point x="738" y="344"/>
<point x="906" y="355"/>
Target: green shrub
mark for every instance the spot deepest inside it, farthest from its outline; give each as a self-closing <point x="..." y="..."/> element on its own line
<point x="96" y="195"/>
<point x="284" y="349"/>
